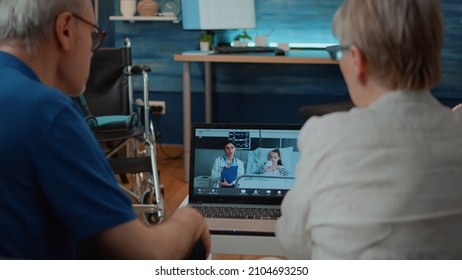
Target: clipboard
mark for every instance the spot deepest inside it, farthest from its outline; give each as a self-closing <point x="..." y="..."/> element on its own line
<point x="229" y="174"/>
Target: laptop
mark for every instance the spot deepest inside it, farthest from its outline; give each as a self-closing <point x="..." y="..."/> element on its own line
<point x="251" y="205"/>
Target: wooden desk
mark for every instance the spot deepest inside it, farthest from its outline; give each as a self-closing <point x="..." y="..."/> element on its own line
<point x="292" y="57"/>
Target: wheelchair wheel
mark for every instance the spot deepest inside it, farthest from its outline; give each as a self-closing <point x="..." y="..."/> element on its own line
<point x="150" y="218"/>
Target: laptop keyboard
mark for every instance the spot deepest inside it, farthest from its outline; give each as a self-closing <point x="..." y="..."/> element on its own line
<point x="239" y="213"/>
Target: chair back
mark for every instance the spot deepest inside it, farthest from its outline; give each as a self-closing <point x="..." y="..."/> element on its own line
<point x="107" y="89"/>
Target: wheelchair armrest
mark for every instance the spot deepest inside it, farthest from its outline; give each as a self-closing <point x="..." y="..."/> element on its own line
<point x="139" y="69"/>
<point x="116" y="123"/>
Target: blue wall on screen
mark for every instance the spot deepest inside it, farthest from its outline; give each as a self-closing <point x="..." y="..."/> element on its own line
<point x="261" y="93"/>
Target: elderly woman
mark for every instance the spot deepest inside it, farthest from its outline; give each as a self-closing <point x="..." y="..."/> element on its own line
<point x="383" y="180"/>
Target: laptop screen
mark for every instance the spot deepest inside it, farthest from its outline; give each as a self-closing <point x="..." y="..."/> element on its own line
<point x="258" y="170"/>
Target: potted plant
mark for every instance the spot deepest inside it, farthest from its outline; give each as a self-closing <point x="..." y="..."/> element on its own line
<point x="241" y="39"/>
<point x="206" y="41"/>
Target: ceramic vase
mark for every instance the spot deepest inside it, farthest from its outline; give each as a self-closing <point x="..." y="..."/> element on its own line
<point x="148" y="8"/>
<point x="204" y="46"/>
<point x="128" y="8"/>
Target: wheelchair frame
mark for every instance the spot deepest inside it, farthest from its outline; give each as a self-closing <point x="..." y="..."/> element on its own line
<point x="140" y="160"/>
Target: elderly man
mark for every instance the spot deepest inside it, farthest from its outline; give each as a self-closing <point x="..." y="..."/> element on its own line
<point x="56" y="186"/>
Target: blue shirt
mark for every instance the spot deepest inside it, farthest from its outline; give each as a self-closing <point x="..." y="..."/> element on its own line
<point x="56" y="186"/>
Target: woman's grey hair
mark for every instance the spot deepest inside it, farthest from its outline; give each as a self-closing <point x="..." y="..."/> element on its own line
<point x="401" y="39"/>
<point x="28" y="22"/>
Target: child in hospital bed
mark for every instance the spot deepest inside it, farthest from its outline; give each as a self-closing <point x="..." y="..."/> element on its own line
<point x="273" y="166"/>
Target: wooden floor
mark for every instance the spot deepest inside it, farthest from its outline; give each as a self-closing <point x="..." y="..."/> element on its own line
<point x="170" y="164"/>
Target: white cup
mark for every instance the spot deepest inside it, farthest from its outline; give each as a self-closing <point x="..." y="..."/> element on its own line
<point x="128" y="8"/>
<point x="260" y="41"/>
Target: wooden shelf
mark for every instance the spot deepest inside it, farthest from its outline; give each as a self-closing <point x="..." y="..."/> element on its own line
<point x="149" y="18"/>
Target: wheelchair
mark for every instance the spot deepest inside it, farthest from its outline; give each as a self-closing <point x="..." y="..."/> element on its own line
<point x="124" y="128"/>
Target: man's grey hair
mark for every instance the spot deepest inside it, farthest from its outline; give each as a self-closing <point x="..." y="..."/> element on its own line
<point x="28" y="22"/>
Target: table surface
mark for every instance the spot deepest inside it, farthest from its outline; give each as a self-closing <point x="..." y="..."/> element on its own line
<point x="315" y="56"/>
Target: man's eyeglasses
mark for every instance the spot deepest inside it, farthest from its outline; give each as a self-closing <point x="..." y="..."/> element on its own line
<point x="97" y="35"/>
<point x="336" y="51"/>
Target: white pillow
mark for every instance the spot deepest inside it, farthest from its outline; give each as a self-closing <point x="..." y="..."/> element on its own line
<point x="259" y="156"/>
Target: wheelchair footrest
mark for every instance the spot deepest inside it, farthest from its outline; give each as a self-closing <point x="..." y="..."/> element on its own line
<point x="140" y="208"/>
<point x="130" y="165"/>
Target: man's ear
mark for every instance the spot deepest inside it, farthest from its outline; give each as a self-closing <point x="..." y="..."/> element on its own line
<point x="359" y="64"/>
<point x="63" y="31"/>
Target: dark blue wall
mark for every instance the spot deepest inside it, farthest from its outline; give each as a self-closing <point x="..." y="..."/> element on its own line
<point x="260" y="93"/>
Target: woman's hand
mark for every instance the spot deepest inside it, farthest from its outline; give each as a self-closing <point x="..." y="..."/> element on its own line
<point x="225" y="184"/>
